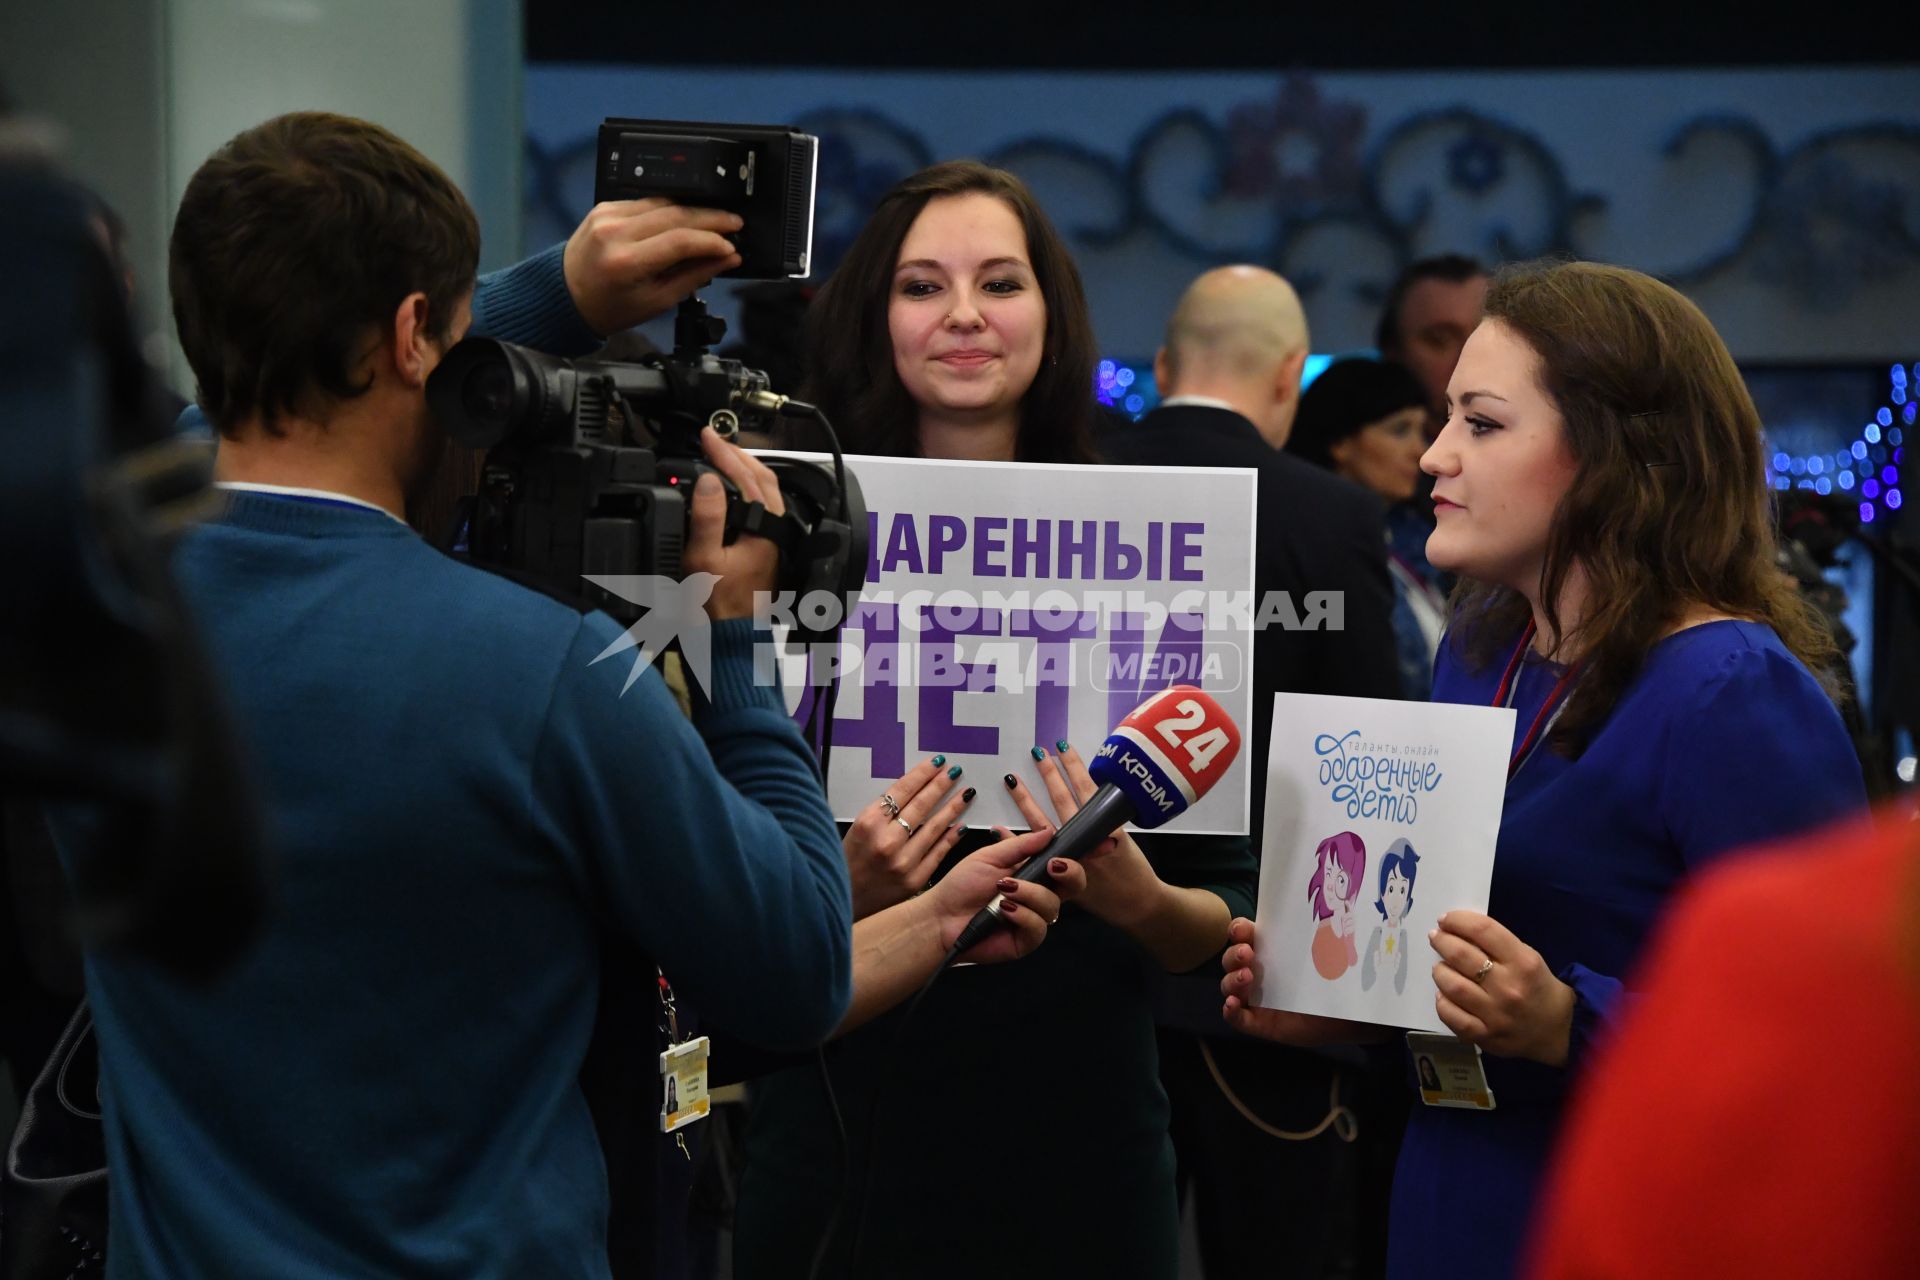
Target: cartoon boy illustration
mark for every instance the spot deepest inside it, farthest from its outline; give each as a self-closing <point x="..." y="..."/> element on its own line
<point x="1338" y="866"/>
<point x="1387" y="949"/>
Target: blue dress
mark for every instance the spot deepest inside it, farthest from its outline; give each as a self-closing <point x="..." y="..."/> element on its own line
<point x="1723" y="740"/>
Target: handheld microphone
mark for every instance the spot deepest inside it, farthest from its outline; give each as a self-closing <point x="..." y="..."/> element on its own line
<point x="1151" y="769"/>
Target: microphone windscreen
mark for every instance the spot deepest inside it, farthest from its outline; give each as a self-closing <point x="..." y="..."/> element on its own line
<point x="1168" y="753"/>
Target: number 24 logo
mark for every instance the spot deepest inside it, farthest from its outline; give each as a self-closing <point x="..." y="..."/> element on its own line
<point x="1201" y="748"/>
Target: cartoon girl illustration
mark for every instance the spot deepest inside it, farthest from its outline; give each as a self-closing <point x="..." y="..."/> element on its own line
<point x="1387" y="949"/>
<point x="1338" y="865"/>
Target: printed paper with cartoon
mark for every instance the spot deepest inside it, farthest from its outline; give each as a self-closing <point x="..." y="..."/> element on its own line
<point x="1381" y="816"/>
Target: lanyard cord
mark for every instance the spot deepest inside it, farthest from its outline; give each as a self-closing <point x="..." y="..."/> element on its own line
<point x="1543" y="722"/>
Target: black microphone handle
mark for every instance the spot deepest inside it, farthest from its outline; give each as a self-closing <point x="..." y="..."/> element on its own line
<point x="1091" y="824"/>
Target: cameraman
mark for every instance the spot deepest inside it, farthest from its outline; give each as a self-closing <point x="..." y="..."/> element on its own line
<point x="462" y="804"/>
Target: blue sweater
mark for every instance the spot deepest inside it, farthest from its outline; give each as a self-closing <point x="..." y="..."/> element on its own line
<point x="462" y="806"/>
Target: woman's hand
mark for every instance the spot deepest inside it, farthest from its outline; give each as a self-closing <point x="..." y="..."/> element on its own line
<point x="1180" y="927"/>
<point x="1119" y="880"/>
<point x="1029" y="909"/>
<point x="891" y="857"/>
<point x="896" y="950"/>
<point x="1241" y="990"/>
<point x="1513" y="1006"/>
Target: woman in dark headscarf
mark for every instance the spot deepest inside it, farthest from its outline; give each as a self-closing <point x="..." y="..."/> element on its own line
<point x="1366" y="420"/>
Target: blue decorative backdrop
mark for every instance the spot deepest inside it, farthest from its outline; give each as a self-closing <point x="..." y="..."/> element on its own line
<point x="1291" y="181"/>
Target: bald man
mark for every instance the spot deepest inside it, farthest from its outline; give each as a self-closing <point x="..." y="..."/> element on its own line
<point x="1230" y="375"/>
<point x="1237" y="340"/>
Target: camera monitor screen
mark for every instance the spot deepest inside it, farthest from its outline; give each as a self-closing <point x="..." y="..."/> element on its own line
<point x="764" y="173"/>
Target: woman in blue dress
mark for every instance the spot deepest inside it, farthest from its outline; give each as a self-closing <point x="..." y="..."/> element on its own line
<point x="1599" y="488"/>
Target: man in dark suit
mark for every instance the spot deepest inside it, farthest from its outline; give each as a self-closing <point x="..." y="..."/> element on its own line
<point x="1230" y="372"/>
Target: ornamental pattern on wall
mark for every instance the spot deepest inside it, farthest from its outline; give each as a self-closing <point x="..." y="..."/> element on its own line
<point x="1288" y="181"/>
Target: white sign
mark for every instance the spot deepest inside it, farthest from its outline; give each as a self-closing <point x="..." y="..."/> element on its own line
<point x="1009" y="606"/>
<point x="1381" y="817"/>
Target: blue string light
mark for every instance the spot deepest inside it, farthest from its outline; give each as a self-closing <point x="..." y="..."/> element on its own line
<point x="1120" y="386"/>
<point x="1868" y="466"/>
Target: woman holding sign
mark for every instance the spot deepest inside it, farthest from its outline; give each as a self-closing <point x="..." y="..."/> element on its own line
<point x="1600" y="491"/>
<point x="955" y="327"/>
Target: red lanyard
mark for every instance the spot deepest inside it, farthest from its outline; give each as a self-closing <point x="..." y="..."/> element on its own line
<point x="1555" y="703"/>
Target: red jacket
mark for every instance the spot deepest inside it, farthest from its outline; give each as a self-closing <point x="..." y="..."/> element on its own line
<point x="1759" y="1113"/>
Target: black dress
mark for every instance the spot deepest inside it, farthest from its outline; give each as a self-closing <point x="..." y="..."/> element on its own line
<point x="1021" y="1129"/>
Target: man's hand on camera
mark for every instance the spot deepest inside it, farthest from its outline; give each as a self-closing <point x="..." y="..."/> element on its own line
<point x="751" y="563"/>
<point x="630" y="260"/>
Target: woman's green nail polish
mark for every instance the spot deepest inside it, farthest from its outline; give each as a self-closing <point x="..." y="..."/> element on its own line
<point x="1061" y="746"/>
<point x="954" y="772"/>
<point x="1039" y="753"/>
<point x="938" y="761"/>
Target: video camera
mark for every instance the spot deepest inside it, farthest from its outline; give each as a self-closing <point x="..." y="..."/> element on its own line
<point x="590" y="464"/>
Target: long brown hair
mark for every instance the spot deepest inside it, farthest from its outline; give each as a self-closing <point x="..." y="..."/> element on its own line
<point x="1669" y="507"/>
<point x="850" y="352"/>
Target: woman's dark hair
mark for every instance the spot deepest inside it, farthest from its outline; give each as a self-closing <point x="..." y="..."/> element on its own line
<point x="292" y="243"/>
<point x="1348" y="395"/>
<point x="850" y="352"/>
<point x="1669" y="506"/>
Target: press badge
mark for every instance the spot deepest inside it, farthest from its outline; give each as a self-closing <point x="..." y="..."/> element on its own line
<point x="683" y="1073"/>
<point x="1450" y="1072"/>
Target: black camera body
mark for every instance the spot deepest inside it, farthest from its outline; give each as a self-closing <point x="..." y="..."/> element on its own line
<point x="590" y="467"/>
<point x="764" y="173"/>
<point x="590" y="464"/>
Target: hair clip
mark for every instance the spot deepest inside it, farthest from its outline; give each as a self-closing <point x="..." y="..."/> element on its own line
<point x="1649" y="413"/>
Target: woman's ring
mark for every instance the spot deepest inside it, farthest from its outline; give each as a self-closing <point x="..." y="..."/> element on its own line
<point x="1486" y="967"/>
<point x="888" y="803"/>
<point x="906" y="826"/>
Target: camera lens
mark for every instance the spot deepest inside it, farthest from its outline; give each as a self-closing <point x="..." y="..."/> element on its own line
<point x="487" y="395"/>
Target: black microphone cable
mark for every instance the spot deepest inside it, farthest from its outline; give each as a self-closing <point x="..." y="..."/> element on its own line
<point x="823" y="731"/>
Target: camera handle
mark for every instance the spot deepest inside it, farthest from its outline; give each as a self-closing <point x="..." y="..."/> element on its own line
<point x="783" y="531"/>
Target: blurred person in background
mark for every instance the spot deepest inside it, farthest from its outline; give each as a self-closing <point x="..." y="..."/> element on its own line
<point x="1430" y="309"/>
<point x="1230" y="369"/>
<point x="1366" y="420"/>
